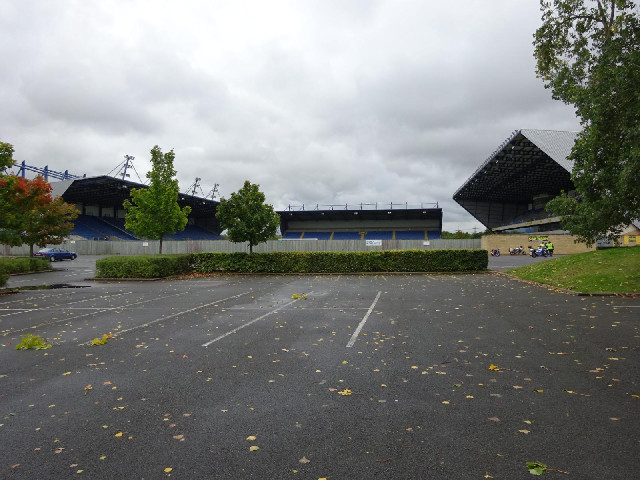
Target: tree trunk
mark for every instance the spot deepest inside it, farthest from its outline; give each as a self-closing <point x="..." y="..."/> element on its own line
<point x="31" y="250"/>
<point x="160" y="252"/>
<point x="250" y="248"/>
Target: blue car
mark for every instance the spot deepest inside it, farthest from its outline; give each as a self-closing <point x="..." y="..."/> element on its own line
<point x="55" y="253"/>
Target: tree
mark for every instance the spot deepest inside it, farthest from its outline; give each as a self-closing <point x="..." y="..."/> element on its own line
<point x="48" y="222"/>
<point x="6" y="187"/>
<point x="6" y="156"/>
<point x="28" y="213"/>
<point x="246" y="217"/>
<point x="154" y="212"/>
<point x="32" y="216"/>
<point x="588" y="54"/>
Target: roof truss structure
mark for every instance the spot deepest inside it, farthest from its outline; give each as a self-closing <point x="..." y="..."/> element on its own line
<point x="528" y="164"/>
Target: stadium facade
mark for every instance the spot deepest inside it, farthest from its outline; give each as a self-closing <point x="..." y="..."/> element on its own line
<point x="393" y="221"/>
<point x="509" y="191"/>
<point x="99" y="202"/>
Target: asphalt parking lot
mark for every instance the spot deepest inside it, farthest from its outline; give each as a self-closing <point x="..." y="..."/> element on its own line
<point x="373" y="376"/>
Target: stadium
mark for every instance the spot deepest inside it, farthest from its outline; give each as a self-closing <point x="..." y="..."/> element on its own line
<point x="507" y="193"/>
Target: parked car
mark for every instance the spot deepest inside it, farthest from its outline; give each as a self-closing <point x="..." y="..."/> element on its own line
<point x="55" y="253"/>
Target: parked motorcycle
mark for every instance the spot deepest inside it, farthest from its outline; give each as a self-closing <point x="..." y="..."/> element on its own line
<point x="495" y="252"/>
<point x="539" y="252"/>
<point x="517" y="251"/>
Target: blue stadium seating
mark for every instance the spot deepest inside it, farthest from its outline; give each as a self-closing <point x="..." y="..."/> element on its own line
<point x="91" y="227"/>
<point x="406" y="235"/>
<point x="346" y="236"/>
<point x="317" y="235"/>
<point x="292" y="235"/>
<point x="433" y="235"/>
<point x="378" y="235"/>
<point x="193" y="232"/>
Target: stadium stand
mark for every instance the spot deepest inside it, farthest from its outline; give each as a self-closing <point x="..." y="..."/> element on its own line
<point x="317" y="235"/>
<point x="509" y="190"/>
<point x="346" y="236"/>
<point x="378" y="235"/>
<point x="100" y="201"/>
<point x="292" y="236"/>
<point x="410" y="235"/>
<point x="194" y="232"/>
<point x="393" y="221"/>
<point x="95" y="228"/>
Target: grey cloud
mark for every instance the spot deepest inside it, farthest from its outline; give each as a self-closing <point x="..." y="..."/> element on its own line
<point x="319" y="102"/>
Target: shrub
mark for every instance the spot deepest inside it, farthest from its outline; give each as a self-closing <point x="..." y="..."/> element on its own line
<point x="145" y="266"/>
<point x="342" y="262"/>
<point x="9" y="265"/>
<point x="35" y="342"/>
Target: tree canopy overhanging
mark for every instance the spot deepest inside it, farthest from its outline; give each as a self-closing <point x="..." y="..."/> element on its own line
<point x="588" y="54"/>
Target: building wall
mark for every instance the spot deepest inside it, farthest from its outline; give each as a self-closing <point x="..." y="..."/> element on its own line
<point x="562" y="244"/>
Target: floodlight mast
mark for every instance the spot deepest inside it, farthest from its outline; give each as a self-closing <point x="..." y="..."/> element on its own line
<point x="127" y="159"/>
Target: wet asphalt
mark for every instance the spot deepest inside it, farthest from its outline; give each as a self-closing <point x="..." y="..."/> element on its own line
<point x="372" y="376"/>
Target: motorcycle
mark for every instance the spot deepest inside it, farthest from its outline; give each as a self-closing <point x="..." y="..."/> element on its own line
<point x="495" y="252"/>
<point x="539" y="252"/>
<point x="517" y="251"/>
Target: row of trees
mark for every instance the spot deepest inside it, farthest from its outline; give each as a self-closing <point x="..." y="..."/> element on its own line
<point x="154" y="212"/>
<point x="30" y="215"/>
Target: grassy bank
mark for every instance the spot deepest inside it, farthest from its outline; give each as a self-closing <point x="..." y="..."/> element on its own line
<point x="615" y="270"/>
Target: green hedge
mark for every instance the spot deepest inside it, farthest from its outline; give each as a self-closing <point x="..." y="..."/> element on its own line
<point x="9" y="265"/>
<point x="342" y="262"/>
<point x="144" y="266"/>
<point x="158" y="266"/>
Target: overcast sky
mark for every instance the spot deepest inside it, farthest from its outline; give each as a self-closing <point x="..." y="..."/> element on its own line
<point x="319" y="102"/>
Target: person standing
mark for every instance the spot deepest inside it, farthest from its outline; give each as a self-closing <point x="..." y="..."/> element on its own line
<point x="550" y="247"/>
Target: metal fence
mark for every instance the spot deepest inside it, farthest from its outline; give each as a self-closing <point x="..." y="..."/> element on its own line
<point x="97" y="247"/>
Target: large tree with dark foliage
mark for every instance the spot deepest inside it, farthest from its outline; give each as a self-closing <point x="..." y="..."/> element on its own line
<point x="246" y="217"/>
<point x="588" y="54"/>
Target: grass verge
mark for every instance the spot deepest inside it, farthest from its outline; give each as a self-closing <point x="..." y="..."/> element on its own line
<point x="615" y="270"/>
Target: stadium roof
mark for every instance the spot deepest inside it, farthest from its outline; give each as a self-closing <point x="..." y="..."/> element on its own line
<point x="341" y="215"/>
<point x="109" y="191"/>
<point x="528" y="164"/>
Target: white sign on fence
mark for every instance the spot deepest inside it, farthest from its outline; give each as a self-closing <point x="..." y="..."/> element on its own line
<point x="373" y="243"/>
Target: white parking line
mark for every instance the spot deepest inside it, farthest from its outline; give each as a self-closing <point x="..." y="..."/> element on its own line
<point x="363" y="321"/>
<point x="145" y="325"/>
<point x="94" y="311"/>
<point x="230" y="332"/>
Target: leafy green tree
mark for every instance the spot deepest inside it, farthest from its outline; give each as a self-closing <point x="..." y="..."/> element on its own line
<point x="6" y="189"/>
<point x="6" y="156"/>
<point x="154" y="212"/>
<point x="246" y="217"/>
<point x="588" y="54"/>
